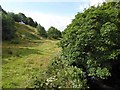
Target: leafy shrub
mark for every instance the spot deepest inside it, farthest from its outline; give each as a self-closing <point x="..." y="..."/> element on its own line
<point x="61" y="75"/>
<point x="92" y="40"/>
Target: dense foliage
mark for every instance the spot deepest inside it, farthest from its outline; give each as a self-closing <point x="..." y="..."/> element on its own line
<point x="20" y="17"/>
<point x="41" y="31"/>
<point x="91" y="48"/>
<point x="8" y="28"/>
<point x="61" y="75"/>
<point x="53" y="33"/>
<point x="92" y="40"/>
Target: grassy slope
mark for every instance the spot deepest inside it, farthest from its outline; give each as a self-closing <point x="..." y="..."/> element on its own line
<point x="26" y="32"/>
<point x="23" y="61"/>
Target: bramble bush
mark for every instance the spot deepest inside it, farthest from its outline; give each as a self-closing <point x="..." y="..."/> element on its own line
<point x="61" y="75"/>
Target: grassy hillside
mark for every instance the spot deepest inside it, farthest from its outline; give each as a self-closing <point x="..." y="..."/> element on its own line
<point x="26" y="32"/>
<point x="23" y="61"/>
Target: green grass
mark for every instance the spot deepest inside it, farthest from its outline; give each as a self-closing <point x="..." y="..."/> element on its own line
<point x="26" y="32"/>
<point x="24" y="61"/>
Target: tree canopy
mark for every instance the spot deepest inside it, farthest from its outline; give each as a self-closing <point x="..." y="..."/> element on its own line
<point x="8" y="26"/>
<point x="41" y="30"/>
<point x="53" y="33"/>
<point x="20" y="17"/>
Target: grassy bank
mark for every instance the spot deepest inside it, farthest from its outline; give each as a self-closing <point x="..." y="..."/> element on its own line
<point x="24" y="61"/>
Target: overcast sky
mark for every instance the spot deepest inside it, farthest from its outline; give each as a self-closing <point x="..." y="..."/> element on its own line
<point x="57" y="13"/>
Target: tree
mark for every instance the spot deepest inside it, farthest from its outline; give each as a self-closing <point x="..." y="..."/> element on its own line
<point x="23" y="18"/>
<point x="8" y="27"/>
<point x="41" y="31"/>
<point x="20" y="17"/>
<point x="30" y="21"/>
<point x="17" y="18"/>
<point x="53" y="33"/>
<point x="92" y="43"/>
<point x="35" y="24"/>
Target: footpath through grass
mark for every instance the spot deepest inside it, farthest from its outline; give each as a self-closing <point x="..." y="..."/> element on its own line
<point x="23" y="62"/>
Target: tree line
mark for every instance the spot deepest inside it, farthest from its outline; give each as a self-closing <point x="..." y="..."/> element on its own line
<point x="20" y="17"/>
<point x="9" y="29"/>
<point x="52" y="33"/>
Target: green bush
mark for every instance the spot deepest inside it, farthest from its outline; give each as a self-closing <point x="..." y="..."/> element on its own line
<point x="92" y="41"/>
<point x="61" y="75"/>
<point x="90" y="52"/>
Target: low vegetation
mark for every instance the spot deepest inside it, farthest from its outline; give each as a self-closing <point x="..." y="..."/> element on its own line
<point x="25" y="53"/>
<point x="23" y="62"/>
